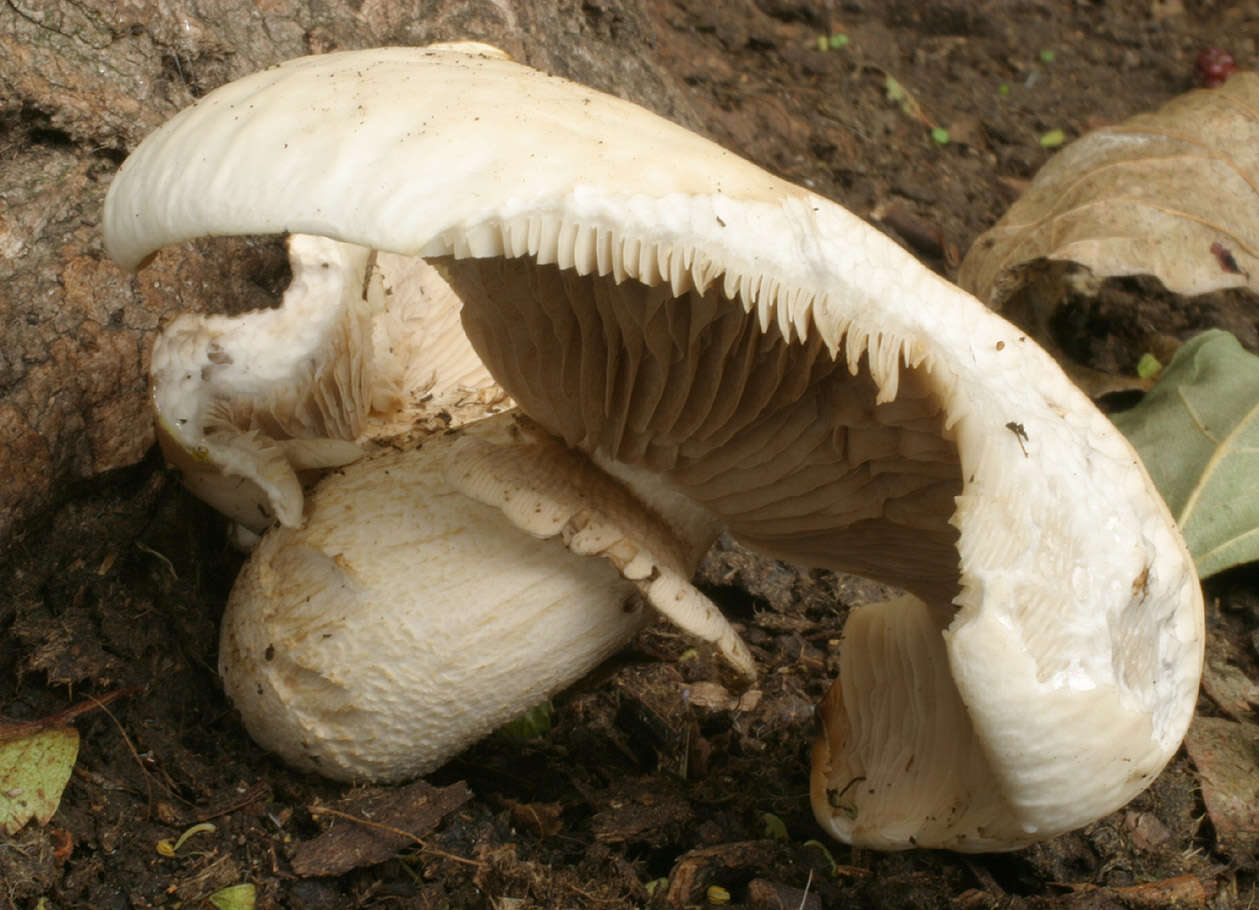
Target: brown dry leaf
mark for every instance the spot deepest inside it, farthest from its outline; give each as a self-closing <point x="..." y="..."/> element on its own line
<point x="1172" y="194"/>
<point x="542" y="819"/>
<point x="372" y="825"/>
<point x="1226" y="754"/>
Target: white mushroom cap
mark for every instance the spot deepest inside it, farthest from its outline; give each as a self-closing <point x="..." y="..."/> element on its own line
<point x="665" y="306"/>
<point x="349" y="655"/>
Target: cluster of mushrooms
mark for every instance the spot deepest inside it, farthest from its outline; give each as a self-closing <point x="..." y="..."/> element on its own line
<point x="638" y="341"/>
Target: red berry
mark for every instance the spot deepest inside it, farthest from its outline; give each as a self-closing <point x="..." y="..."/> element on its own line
<point x="1214" y="66"/>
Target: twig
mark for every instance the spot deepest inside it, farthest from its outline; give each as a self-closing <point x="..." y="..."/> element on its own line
<point x="10" y="732"/>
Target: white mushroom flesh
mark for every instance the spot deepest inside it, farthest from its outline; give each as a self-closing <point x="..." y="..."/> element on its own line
<point x="665" y="306"/>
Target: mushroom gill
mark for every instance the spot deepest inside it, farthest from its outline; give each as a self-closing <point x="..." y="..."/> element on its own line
<point x="787" y="445"/>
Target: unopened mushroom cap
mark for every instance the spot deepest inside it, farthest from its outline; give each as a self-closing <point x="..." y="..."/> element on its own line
<point x="404" y="621"/>
<point x="664" y="306"/>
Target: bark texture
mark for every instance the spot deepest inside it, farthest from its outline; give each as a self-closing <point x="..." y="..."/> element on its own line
<point x="81" y="83"/>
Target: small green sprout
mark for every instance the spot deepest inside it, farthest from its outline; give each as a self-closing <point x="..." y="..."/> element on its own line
<point x="940" y="135"/>
<point x="838" y="41"/>
<point x="775" y="829"/>
<point x="826" y="853"/>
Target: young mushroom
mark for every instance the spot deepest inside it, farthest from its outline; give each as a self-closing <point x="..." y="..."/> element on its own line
<point x="403" y="622"/>
<point x="738" y="352"/>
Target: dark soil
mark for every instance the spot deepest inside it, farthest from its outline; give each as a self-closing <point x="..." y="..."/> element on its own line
<point x="640" y="793"/>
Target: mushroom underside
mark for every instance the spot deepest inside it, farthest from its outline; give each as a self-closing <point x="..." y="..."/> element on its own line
<point x="778" y="439"/>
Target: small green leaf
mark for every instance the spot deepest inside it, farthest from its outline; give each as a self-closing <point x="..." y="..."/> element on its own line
<point x="1003" y="88"/>
<point x="838" y="41"/>
<point x="34" y="771"/>
<point x="940" y="135"/>
<point x="1197" y="431"/>
<point x="895" y="91"/>
<point x="775" y="829"/>
<point x="1053" y="139"/>
<point x="1046" y="56"/>
<point x="533" y="723"/>
<point x="236" y="897"/>
<point x="1148" y="366"/>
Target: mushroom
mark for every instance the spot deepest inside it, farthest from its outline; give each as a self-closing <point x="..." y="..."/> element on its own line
<point x="738" y="352"/>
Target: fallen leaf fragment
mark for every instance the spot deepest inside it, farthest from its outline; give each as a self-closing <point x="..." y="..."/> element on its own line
<point x="1182" y="891"/>
<point x="236" y="897"/>
<point x="1226" y="754"/>
<point x="777" y="896"/>
<point x="373" y="824"/>
<point x="34" y="770"/>
<point x="1197" y="431"/>
<point x="1235" y="693"/>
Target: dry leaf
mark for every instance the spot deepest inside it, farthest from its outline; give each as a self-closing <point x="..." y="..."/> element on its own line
<point x="1173" y="194"/>
<point x="34" y="770"/>
<point x="373" y="824"/>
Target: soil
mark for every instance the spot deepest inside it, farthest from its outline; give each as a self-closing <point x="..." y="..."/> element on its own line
<point x="640" y="793"/>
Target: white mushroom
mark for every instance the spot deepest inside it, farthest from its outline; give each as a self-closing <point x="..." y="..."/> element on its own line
<point x="741" y="352"/>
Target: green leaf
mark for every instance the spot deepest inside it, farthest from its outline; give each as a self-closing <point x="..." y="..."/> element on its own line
<point x="533" y="723"/>
<point x="34" y="770"/>
<point x="236" y="897"/>
<point x="1198" y="432"/>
